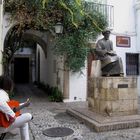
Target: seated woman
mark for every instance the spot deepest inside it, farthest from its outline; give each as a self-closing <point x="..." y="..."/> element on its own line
<point x="111" y="64"/>
<point x="12" y="120"/>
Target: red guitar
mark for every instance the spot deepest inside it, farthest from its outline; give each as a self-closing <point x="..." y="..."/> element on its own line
<point x="15" y="105"/>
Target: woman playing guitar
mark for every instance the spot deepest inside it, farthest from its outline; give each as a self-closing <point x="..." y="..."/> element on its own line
<point x="10" y="117"/>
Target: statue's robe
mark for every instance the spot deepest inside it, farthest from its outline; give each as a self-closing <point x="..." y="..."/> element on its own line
<point x="111" y="64"/>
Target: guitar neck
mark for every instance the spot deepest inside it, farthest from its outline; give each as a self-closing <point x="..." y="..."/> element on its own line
<point x="21" y="107"/>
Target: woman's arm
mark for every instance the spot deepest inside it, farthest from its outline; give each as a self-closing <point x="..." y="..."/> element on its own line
<point x="5" y="108"/>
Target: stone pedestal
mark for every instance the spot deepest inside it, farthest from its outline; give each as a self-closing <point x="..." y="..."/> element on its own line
<point x="113" y="96"/>
<point x="96" y="69"/>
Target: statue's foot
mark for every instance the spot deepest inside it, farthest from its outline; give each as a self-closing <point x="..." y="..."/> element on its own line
<point x="106" y="75"/>
<point x="109" y="75"/>
<point x="121" y="74"/>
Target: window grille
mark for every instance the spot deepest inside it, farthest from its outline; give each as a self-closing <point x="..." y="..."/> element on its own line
<point x="132" y="64"/>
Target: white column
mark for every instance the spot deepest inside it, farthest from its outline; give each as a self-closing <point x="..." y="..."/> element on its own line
<point x="1" y="40"/>
<point x="137" y="14"/>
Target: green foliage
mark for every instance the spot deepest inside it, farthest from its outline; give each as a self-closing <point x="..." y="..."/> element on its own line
<point x="73" y="44"/>
<point x="68" y="45"/>
<point x="78" y="22"/>
<point x="54" y="94"/>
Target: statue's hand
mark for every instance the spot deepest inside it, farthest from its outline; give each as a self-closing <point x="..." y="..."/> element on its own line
<point x="112" y="53"/>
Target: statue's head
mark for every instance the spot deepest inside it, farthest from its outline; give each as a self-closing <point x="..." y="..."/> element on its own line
<point x="106" y="34"/>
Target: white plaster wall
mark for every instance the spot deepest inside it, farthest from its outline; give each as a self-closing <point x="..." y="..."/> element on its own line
<point x="5" y="28"/>
<point x="1" y="42"/>
<point x="125" y="24"/>
<point x="123" y="15"/>
<point x="47" y="74"/>
<point x="138" y="28"/>
<point x="22" y="51"/>
<point x="137" y="25"/>
<point x="1" y="19"/>
<point x="78" y="86"/>
<point x="6" y="25"/>
<point x="51" y="68"/>
<point x="43" y="66"/>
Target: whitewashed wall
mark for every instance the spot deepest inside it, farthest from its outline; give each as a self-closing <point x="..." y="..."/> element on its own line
<point x="137" y="25"/>
<point x="6" y="26"/>
<point x="1" y="42"/>
<point x="125" y="24"/>
<point x="78" y="86"/>
<point x="47" y="74"/>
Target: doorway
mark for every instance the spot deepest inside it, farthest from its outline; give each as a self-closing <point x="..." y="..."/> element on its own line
<point x="21" y="70"/>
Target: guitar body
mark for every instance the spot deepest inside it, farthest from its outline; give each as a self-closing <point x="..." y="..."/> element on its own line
<point x="14" y="104"/>
<point x="3" y="120"/>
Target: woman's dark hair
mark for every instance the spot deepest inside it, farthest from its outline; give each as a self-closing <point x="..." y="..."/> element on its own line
<point x="6" y="83"/>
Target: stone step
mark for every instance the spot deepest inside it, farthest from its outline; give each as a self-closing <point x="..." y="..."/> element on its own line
<point x="102" y="123"/>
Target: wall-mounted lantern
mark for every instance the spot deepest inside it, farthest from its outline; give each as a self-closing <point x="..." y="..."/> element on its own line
<point x="58" y="28"/>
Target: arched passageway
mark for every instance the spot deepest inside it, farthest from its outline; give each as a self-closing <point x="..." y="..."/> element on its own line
<point x="21" y="50"/>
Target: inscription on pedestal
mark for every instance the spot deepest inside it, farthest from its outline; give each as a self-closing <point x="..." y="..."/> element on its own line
<point x="122" y="85"/>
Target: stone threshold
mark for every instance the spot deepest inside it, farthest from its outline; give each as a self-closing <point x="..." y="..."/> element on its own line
<point x="101" y="123"/>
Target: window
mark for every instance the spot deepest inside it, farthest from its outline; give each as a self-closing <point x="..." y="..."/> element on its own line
<point x="132" y="64"/>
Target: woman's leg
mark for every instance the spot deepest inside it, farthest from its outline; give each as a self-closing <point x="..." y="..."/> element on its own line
<point x="22" y="123"/>
<point x="24" y="132"/>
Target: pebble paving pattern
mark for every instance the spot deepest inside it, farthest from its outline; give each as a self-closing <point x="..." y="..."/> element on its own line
<point x="48" y="115"/>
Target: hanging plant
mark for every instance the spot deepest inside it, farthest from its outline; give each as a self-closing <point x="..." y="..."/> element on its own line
<point x="78" y="24"/>
<point x="73" y="43"/>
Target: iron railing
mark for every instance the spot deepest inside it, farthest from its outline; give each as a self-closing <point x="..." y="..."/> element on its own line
<point x="106" y="10"/>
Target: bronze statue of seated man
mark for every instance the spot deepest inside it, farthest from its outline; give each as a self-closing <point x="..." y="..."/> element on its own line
<point x="111" y="64"/>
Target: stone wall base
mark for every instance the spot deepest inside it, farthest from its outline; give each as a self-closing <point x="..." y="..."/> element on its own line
<point x="114" y="96"/>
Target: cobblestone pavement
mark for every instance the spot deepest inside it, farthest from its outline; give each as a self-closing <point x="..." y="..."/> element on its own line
<point x="48" y="115"/>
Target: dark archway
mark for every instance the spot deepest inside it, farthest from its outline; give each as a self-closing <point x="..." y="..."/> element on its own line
<point x="14" y="39"/>
<point x="21" y="68"/>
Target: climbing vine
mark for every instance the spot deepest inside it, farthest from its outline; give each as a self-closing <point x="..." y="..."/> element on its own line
<point x="78" y="23"/>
